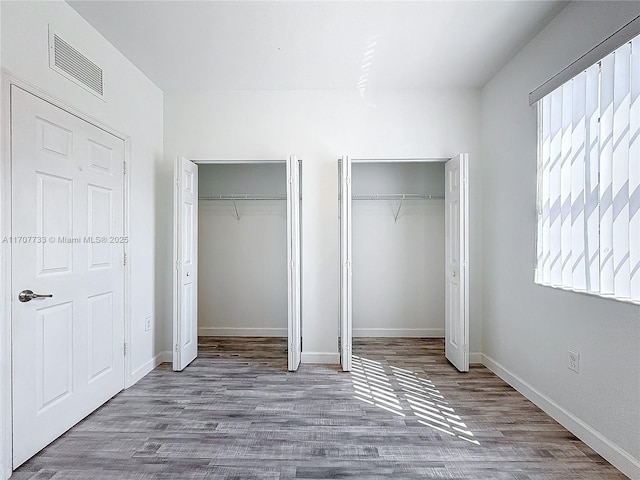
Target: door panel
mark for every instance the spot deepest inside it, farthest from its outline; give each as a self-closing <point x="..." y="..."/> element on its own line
<point x="54" y="354"/>
<point x="68" y="350"/>
<point x="100" y="225"/>
<point x="346" y="323"/>
<point x="54" y="219"/>
<point x="185" y="238"/>
<point x="188" y="235"/>
<point x="293" y="258"/>
<point x="100" y="325"/>
<point x="456" y="254"/>
<point x="187" y="315"/>
<point x="101" y="158"/>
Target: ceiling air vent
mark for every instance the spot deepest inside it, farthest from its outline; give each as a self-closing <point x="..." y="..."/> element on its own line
<point x="66" y="60"/>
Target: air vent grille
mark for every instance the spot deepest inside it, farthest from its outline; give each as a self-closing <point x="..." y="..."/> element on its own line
<point x="70" y="62"/>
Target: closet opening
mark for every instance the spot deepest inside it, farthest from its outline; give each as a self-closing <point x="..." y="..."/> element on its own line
<point x="238" y="239"/>
<point x="403" y="252"/>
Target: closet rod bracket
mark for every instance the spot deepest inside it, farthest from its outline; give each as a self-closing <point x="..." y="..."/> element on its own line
<point x="235" y="207"/>
<point x="397" y="213"/>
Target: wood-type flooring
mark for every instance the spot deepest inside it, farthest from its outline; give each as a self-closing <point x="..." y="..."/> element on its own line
<point x="236" y="413"/>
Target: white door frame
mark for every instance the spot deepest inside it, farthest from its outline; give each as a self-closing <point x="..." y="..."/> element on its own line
<point x="6" y="393"/>
<point x="442" y="160"/>
<point x="210" y="161"/>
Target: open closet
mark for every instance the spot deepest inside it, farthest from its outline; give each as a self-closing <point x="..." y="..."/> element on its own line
<point x="404" y="242"/>
<point x="237" y="253"/>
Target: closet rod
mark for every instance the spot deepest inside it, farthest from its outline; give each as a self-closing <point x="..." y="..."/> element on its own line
<point x="228" y="161"/>
<point x="243" y="196"/>
<point x="400" y="160"/>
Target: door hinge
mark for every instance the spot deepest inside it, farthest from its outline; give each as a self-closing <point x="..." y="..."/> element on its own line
<point x="124" y="259"/>
<point x="124" y="168"/>
<point x="177" y="347"/>
<point x="177" y="264"/>
<point x="292" y="264"/>
<point x="124" y="350"/>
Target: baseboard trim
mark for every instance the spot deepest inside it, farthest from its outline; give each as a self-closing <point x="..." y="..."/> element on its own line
<point x="320" y="357"/>
<point x="615" y="455"/>
<point x="143" y="370"/>
<point x="241" y="332"/>
<point x="399" y="332"/>
<point x="475" y="358"/>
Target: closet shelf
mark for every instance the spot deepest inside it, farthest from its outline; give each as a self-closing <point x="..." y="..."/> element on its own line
<point x="396" y="196"/>
<point x="244" y="196"/>
<point x="400" y="197"/>
<point x="234" y="197"/>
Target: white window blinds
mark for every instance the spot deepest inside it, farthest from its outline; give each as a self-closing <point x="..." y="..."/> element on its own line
<point x="589" y="179"/>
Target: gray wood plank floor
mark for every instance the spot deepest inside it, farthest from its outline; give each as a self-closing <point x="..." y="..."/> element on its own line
<point x="236" y="413"/>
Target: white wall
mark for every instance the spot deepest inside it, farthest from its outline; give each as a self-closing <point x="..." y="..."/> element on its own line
<point x="398" y="266"/>
<point x="319" y="126"/>
<point x="528" y="329"/>
<point x="134" y="108"/>
<point x="242" y="264"/>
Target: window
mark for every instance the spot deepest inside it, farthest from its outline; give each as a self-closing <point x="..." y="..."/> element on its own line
<point x="589" y="179"/>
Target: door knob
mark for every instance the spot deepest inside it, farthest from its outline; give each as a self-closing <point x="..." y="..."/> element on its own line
<point x="28" y="295"/>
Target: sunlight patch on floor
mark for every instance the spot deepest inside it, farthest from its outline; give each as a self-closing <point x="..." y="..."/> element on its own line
<point x="374" y="385"/>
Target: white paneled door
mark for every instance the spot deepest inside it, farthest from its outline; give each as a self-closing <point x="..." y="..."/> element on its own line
<point x="346" y="290"/>
<point x="293" y="258"/>
<point x="185" y="264"/>
<point x="67" y="222"/>
<point x="456" y="261"/>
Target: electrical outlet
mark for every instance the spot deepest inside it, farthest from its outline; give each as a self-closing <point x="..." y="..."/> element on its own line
<point x="574" y="361"/>
<point x="147" y="324"/>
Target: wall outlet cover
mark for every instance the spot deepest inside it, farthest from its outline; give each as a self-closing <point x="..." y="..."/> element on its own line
<point x="573" y="361"/>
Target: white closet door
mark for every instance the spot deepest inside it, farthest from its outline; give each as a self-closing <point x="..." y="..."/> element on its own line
<point x="67" y="207"/>
<point x="456" y="261"/>
<point x="346" y="293"/>
<point x="293" y="258"/>
<point x="185" y="261"/>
